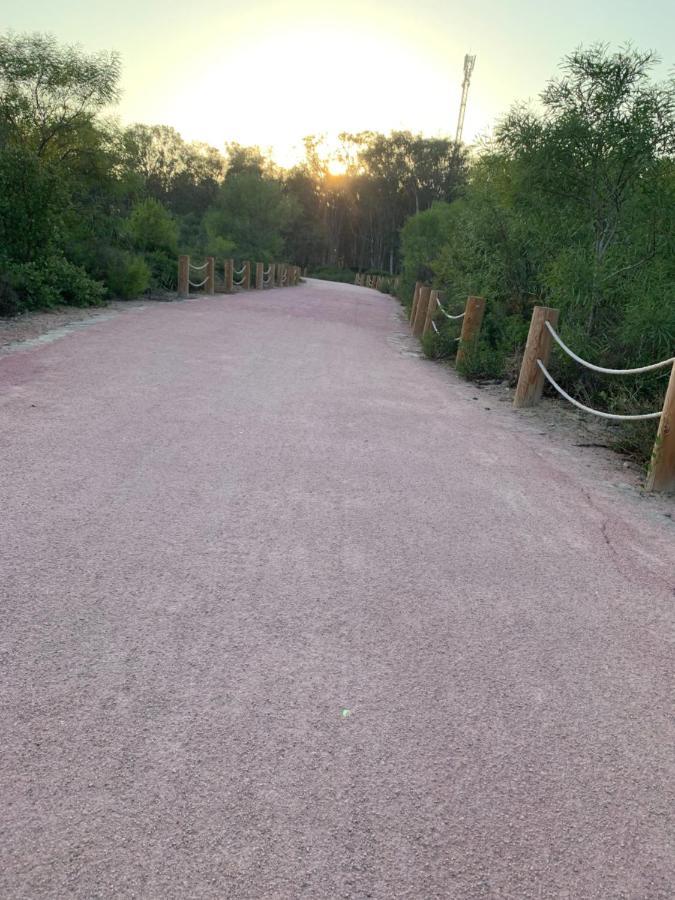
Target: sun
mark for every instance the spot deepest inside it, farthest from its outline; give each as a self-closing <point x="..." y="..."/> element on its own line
<point x="336" y="166"/>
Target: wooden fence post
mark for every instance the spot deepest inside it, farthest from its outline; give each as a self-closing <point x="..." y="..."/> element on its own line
<point x="229" y="275"/>
<point x="246" y="276"/>
<point x="431" y="309"/>
<point x="416" y="296"/>
<point x="259" y="268"/>
<point x="539" y="341"/>
<point x="421" y="311"/>
<point x="210" y="286"/>
<point x="183" y="276"/>
<point x="473" y="319"/>
<point x="662" y="467"/>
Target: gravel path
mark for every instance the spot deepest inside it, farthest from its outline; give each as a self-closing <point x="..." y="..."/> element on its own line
<point x="287" y="614"/>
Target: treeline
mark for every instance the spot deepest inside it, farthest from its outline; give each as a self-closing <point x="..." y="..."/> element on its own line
<point x="90" y="209"/>
<point x="570" y="206"/>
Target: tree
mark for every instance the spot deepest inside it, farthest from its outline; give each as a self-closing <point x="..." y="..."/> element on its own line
<point x="48" y="92"/>
<point x="602" y="136"/>
<point x="251" y="213"/>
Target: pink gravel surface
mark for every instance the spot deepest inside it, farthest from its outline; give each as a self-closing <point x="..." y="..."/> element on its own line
<point x="287" y="614"/>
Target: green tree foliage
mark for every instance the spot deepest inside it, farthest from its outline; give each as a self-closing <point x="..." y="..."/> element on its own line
<point x="572" y="207"/>
<point x="358" y="215"/>
<point x="250" y="213"/>
<point x="50" y="92"/>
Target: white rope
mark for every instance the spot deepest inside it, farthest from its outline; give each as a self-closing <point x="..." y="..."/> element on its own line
<point x="266" y="280"/>
<point x="558" y="340"/>
<point x="447" y="315"/>
<point x="239" y="271"/>
<point x="595" y="412"/>
<point x="267" y="271"/>
<point x="200" y="284"/>
<point x="193" y="266"/>
<point x="238" y="283"/>
<point x="433" y="325"/>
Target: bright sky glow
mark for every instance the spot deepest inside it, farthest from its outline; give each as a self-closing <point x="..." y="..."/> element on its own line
<point x="269" y="73"/>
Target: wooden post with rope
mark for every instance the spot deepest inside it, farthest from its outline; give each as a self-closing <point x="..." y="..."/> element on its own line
<point x="421" y="311"/>
<point x="183" y="276"/>
<point x="229" y="275"/>
<point x="539" y="342"/>
<point x="259" y="269"/>
<point x="432" y="306"/>
<point x="473" y="319"/>
<point x="210" y="285"/>
<point x="662" y="467"/>
<point x="246" y="276"/>
<point x="413" y="306"/>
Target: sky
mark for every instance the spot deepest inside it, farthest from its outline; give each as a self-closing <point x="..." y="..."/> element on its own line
<point x="268" y="73"/>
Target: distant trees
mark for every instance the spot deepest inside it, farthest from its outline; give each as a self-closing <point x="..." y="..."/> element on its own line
<point x="387" y="178"/>
<point x="248" y="216"/>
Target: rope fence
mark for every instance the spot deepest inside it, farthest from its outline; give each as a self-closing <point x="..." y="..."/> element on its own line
<point x="447" y="314"/>
<point x="556" y="337"/>
<point x="534" y="373"/>
<point x="588" y="409"/>
<point x="233" y="277"/>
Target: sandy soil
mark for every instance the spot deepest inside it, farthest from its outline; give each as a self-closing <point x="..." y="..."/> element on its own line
<point x="31" y="325"/>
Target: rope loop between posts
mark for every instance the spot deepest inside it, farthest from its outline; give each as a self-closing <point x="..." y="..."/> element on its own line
<point x="595" y="412"/>
<point x="267" y="271"/>
<point x="659" y="365"/>
<point x="198" y="268"/>
<point x="198" y="284"/>
<point x="446" y="314"/>
<point x="238" y="283"/>
<point x="435" y="327"/>
<point x="239" y="271"/>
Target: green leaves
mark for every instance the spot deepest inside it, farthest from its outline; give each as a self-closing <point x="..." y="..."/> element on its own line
<point x="48" y="91"/>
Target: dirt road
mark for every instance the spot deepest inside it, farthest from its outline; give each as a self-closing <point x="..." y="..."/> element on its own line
<point x="286" y="613"/>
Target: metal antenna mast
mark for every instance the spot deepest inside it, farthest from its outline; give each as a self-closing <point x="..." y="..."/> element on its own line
<point x="469" y="63"/>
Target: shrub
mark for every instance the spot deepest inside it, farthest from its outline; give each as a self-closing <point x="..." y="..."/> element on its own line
<point x="163" y="270"/>
<point x="151" y="226"/>
<point x="127" y="275"/>
<point x="9" y="302"/>
<point x="333" y="273"/>
<point x="47" y="283"/>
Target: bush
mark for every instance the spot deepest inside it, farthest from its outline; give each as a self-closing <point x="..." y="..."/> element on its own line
<point x="151" y="226"/>
<point x="163" y="271"/>
<point x="50" y="282"/>
<point x="9" y="302"/>
<point x="127" y="275"/>
<point x="333" y="273"/>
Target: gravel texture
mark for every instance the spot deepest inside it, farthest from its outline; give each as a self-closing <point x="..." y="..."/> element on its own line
<point x="286" y="613"/>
